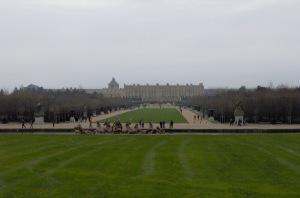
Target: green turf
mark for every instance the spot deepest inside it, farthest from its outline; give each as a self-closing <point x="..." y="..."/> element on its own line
<point x="150" y="166"/>
<point x="154" y="115"/>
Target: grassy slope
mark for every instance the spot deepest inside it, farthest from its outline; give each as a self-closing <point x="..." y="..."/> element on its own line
<point x="154" y="115"/>
<point x="150" y="166"/>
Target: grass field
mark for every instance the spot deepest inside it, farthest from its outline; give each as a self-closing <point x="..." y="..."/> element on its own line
<point x="150" y="166"/>
<point x="154" y="115"/>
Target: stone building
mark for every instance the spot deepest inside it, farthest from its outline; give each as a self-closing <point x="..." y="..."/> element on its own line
<point x="112" y="91"/>
<point x="162" y="93"/>
<point x="113" y="84"/>
<point x="151" y="93"/>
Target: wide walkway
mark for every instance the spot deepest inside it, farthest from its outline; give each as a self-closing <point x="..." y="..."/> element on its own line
<point x="65" y="125"/>
<point x="188" y="114"/>
<point x="205" y="124"/>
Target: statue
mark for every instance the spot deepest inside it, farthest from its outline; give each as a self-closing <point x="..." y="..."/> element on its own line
<point x="239" y="113"/>
<point x="39" y="114"/>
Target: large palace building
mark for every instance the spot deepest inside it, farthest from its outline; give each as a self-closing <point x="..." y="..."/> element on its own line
<point x="152" y="93"/>
<point x="162" y="92"/>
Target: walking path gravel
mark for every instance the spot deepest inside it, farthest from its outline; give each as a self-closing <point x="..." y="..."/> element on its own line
<point x="188" y="114"/>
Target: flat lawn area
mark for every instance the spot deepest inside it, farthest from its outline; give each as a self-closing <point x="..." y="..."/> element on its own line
<point x="150" y="166"/>
<point x="154" y="115"/>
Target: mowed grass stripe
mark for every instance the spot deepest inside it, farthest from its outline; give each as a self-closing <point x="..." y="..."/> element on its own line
<point x="291" y="162"/>
<point x="31" y="165"/>
<point x="233" y="171"/>
<point x="154" y="115"/>
<point x="110" y="163"/>
<point x="188" y="170"/>
<point x="32" y="151"/>
<point x="267" y="167"/>
<point x="64" y="162"/>
<point x="18" y="147"/>
<point x="178" y="166"/>
<point x="57" y="160"/>
<point x="149" y="159"/>
<point x="118" y="171"/>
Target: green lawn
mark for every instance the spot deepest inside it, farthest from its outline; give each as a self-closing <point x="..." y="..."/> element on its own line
<point x="154" y="115"/>
<point x="150" y="166"/>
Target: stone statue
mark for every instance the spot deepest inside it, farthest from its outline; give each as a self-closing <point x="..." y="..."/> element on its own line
<point x="39" y="114"/>
<point x="239" y="113"/>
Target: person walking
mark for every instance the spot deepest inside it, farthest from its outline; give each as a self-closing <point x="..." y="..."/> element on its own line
<point x="91" y="122"/>
<point x="143" y="124"/>
<point x="171" y="124"/>
<point x="31" y="123"/>
<point x="23" y="124"/>
<point x="150" y="125"/>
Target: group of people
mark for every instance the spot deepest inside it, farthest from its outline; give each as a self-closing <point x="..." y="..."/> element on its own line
<point x="162" y="124"/>
<point x="117" y="127"/>
<point x="31" y="122"/>
<point x="197" y="118"/>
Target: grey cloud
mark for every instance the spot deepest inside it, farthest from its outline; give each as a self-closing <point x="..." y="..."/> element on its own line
<point x="85" y="42"/>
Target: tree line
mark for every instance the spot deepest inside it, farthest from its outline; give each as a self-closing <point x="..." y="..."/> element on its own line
<point x="57" y="105"/>
<point x="263" y="104"/>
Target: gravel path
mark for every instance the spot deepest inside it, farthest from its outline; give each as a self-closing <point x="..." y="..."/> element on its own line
<point x="189" y="115"/>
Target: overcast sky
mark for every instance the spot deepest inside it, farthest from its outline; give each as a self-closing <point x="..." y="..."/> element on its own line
<point x="63" y="43"/>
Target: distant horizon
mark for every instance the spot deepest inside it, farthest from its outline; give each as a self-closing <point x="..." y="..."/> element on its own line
<point x="123" y="81"/>
<point x="270" y="84"/>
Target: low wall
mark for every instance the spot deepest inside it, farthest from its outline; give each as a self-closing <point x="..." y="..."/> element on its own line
<point x="54" y="130"/>
<point x="258" y="130"/>
<point x="70" y="130"/>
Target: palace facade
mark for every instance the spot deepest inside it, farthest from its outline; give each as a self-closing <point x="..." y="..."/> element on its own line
<point x="161" y="93"/>
<point x="152" y="93"/>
